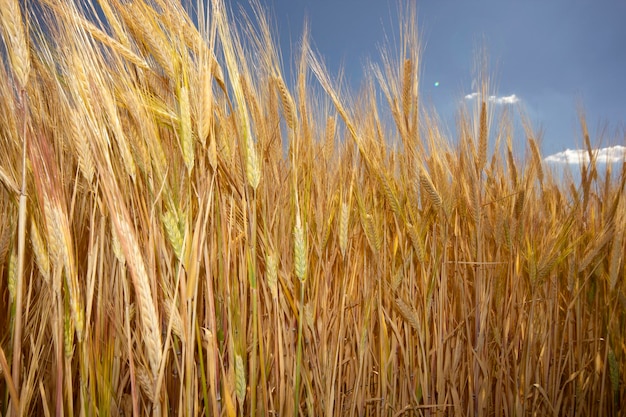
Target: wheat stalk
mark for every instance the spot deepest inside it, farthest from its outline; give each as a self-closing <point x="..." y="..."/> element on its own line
<point x="19" y="55"/>
<point x="413" y="309"/>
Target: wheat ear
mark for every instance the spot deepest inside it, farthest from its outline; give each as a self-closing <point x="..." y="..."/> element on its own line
<point x="272" y="274"/>
<point x="13" y="28"/>
<point x="149" y="319"/>
<point x="344" y="218"/>
<point x="299" y="248"/>
<point x="186" y="132"/>
<point x="41" y="253"/>
<point x="431" y="191"/>
<point x="289" y="108"/>
<point x="482" y="137"/>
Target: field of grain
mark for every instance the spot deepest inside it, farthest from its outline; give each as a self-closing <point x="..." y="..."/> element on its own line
<point x="187" y="232"/>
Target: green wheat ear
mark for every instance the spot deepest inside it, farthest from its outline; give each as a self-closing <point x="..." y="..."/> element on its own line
<point x="174" y="232"/>
<point x="300" y="249"/>
<point x="614" y="375"/>
<point x="240" y="380"/>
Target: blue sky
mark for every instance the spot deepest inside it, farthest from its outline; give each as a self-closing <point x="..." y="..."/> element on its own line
<point x="552" y="55"/>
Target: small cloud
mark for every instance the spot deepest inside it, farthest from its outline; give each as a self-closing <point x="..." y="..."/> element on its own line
<point x="612" y="154"/>
<point x="512" y="99"/>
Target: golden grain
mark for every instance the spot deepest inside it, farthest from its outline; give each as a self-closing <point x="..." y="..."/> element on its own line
<point x="140" y="152"/>
<point x="141" y="18"/>
<point x="205" y="112"/>
<point x="391" y="196"/>
<point x="172" y="314"/>
<point x="186" y="134"/>
<point x="56" y="245"/>
<point x="371" y="231"/>
<point x="40" y="251"/>
<point x="417" y="243"/>
<point x="409" y="314"/>
<point x="81" y="141"/>
<point x="596" y="247"/>
<point x="145" y="382"/>
<point x="407" y="88"/>
<point x="148" y="317"/>
<point x="430" y="189"/>
<point x="116" y="246"/>
<point x="9" y="182"/>
<point x="13" y="30"/>
<point x="118" y="133"/>
<point x="253" y="170"/>
<point x="330" y="132"/>
<point x="536" y="159"/>
<point x="289" y="108"/>
<point x="272" y="274"/>
<point x="403" y="307"/>
<point x="482" y="137"/>
<point x="344" y="219"/>
<point x="12" y="276"/>
<point x="511" y="165"/>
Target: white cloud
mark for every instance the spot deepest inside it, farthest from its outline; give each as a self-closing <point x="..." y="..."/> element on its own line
<point x="512" y="99"/>
<point x="609" y="155"/>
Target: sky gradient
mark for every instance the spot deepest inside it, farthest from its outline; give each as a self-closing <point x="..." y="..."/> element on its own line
<point x="552" y="56"/>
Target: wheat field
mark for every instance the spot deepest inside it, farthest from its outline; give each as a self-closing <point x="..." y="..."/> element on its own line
<point x="187" y="232"/>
